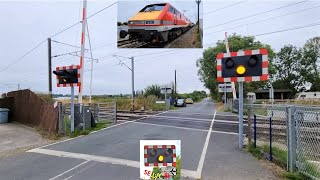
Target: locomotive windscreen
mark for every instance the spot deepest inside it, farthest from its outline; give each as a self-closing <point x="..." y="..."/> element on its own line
<point x="153" y="7"/>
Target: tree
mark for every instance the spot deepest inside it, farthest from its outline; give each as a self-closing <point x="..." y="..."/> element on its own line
<point x="310" y="64"/>
<point x="119" y="23"/>
<point x="207" y="64"/>
<point x="288" y="67"/>
<point x="153" y="90"/>
<point x="125" y="23"/>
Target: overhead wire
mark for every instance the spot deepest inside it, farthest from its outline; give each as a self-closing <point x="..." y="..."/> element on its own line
<point x="77" y="35"/>
<point x="257" y="14"/>
<point x="290" y="29"/>
<point x="58" y="42"/>
<point x="19" y="59"/>
<point x="117" y="64"/>
<point x="283" y="30"/>
<point x="275" y="17"/>
<point x="225" y="7"/>
<point x="69" y="27"/>
<point x="101" y="10"/>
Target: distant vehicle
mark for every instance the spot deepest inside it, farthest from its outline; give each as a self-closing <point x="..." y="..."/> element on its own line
<point x="180" y="103"/>
<point x="251" y="96"/>
<point x="189" y="101"/>
<point x="158" y="23"/>
<point x="308" y="96"/>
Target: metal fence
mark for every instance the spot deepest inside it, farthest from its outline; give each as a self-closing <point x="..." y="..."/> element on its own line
<point x="105" y="112"/>
<point x="100" y="112"/>
<point x="287" y="135"/>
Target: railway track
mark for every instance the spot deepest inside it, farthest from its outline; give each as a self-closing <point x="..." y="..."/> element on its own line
<point x="130" y="44"/>
<point x="136" y="44"/>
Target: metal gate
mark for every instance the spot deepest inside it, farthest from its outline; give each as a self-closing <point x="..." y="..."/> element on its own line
<point x="105" y="112"/>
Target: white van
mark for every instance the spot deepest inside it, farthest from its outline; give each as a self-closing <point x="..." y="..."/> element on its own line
<point x="308" y="96"/>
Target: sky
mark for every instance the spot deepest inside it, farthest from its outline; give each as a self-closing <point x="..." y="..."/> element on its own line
<point x="24" y="24"/>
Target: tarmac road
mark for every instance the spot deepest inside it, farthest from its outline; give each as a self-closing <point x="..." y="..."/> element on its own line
<point x="208" y="139"/>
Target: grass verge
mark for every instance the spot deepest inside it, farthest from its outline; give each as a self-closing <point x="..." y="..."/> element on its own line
<point x="99" y="126"/>
<point x="48" y="135"/>
<point x="280" y="159"/>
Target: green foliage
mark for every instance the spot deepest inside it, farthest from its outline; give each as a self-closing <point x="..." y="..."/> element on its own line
<point x="119" y="23"/>
<point x="279" y="155"/>
<point x="156" y="170"/>
<point x="146" y="101"/>
<point x="178" y="166"/>
<point x="99" y="126"/>
<point x="288" y="64"/>
<point x="310" y="68"/>
<point x="254" y="151"/>
<point x="280" y="158"/>
<point x="298" y="67"/>
<point x="292" y="176"/>
<point x="195" y="95"/>
<point x="153" y="90"/>
<point x="207" y="64"/>
<point x="158" y="107"/>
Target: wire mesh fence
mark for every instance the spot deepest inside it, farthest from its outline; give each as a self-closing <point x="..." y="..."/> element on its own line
<point x="287" y="135"/>
<point x="308" y="140"/>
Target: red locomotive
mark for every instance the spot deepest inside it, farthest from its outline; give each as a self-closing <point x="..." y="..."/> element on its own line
<point x="158" y="23"/>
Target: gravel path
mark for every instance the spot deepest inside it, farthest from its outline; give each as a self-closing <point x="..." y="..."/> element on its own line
<point x="187" y="40"/>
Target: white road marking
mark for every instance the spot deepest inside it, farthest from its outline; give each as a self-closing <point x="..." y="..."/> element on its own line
<point x="233" y="115"/>
<point x="225" y="132"/>
<point x="177" y="112"/>
<point x="81" y="170"/>
<point x="59" y="175"/>
<point x="195" y="129"/>
<point x="226" y="121"/>
<point x="102" y="159"/>
<point x="204" y="150"/>
<point x="87" y="157"/>
<point x="182" y="118"/>
<point x="97" y="131"/>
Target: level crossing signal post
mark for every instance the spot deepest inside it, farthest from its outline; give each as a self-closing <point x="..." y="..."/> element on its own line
<point x="242" y="66"/>
<point x="166" y="89"/>
<point x="69" y="76"/>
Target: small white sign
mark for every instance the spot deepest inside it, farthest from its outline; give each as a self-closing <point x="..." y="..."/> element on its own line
<point x="160" y="102"/>
<point x="55" y="104"/>
<point x="166" y="89"/>
<point x="228" y="87"/>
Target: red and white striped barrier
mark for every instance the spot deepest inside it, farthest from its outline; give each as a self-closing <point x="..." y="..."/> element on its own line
<point x="84" y="21"/>
<point x="264" y="75"/>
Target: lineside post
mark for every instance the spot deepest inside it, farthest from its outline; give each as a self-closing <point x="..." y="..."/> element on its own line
<point x="240" y="115"/>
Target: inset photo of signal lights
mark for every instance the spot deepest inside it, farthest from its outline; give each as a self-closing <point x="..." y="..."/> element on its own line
<point x="160" y="159"/>
<point x="154" y="24"/>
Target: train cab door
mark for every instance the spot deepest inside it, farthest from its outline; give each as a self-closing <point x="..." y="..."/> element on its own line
<point x="175" y="21"/>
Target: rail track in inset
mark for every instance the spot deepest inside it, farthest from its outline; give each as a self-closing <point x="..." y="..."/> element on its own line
<point x="133" y="43"/>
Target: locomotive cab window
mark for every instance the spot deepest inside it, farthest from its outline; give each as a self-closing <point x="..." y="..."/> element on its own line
<point x="154" y="7"/>
<point x="171" y="9"/>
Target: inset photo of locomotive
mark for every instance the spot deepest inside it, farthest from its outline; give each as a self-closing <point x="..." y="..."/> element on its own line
<point x="150" y="24"/>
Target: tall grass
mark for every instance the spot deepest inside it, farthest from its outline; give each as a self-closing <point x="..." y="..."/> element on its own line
<point x="125" y="103"/>
<point x="45" y="96"/>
